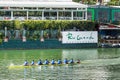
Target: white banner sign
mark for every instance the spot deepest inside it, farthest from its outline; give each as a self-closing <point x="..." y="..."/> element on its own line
<point x="80" y="37"/>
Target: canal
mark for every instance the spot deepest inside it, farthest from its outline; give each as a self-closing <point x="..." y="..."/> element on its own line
<point x="96" y="64"/>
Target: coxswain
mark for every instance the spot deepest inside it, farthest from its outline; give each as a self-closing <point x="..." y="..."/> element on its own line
<point x="65" y="61"/>
<point x="26" y="63"/>
<point x="40" y="62"/>
<point x="78" y="61"/>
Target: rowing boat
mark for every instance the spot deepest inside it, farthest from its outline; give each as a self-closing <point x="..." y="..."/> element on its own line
<point x="12" y="66"/>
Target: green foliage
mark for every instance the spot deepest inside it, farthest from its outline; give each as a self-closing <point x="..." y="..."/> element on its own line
<point x="90" y="2"/>
<point x="34" y="27"/>
<point x="4" y="24"/>
<point x="114" y="3"/>
<point x="48" y="24"/>
<point x="17" y="24"/>
<point x="1" y="36"/>
<point x="77" y="0"/>
<point x="0" y="41"/>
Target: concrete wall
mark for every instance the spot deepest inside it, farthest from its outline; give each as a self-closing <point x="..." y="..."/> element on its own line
<point x="47" y="44"/>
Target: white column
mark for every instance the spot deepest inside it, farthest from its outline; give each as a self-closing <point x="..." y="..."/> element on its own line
<point x="27" y="15"/>
<point x="5" y="39"/>
<point x="57" y="15"/>
<point x="71" y="15"/>
<point x="5" y="32"/>
<point x="42" y="15"/>
<point x="11" y="15"/>
<point x="85" y="15"/>
<point x="37" y="8"/>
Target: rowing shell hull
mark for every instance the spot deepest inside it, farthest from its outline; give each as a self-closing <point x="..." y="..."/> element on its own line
<point x="32" y="66"/>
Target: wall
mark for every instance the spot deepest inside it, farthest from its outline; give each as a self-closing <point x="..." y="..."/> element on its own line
<point x="47" y="44"/>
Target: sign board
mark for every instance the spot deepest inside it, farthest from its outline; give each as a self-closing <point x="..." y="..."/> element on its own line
<point x="80" y="37"/>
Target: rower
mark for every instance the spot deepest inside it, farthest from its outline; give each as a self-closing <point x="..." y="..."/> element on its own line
<point x="46" y="62"/>
<point x="26" y="63"/>
<point x="65" y="61"/>
<point x="71" y="61"/>
<point x="32" y="63"/>
<point x="39" y="62"/>
<point x="78" y="61"/>
<point x="53" y="62"/>
<point x="59" y="61"/>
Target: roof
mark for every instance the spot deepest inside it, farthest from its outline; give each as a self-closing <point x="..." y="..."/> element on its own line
<point x="109" y="27"/>
<point x="102" y="6"/>
<point x="54" y="4"/>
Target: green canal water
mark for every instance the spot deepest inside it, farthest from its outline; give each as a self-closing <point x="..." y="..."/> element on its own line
<point x="96" y="64"/>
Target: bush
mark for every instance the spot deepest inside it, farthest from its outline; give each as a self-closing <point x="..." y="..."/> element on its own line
<point x="34" y="27"/>
<point x="47" y="24"/>
<point x="0" y="41"/>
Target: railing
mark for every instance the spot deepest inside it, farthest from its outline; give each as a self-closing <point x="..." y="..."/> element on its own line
<point x="39" y="18"/>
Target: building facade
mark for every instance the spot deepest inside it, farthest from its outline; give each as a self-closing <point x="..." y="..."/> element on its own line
<point x="109" y="13"/>
<point x="42" y="10"/>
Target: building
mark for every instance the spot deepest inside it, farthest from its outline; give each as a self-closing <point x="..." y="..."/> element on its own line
<point x="42" y="10"/>
<point x="111" y="14"/>
<point x="102" y="1"/>
<point x="109" y="35"/>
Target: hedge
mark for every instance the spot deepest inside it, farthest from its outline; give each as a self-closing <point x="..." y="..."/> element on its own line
<point x="48" y="24"/>
<point x="51" y="28"/>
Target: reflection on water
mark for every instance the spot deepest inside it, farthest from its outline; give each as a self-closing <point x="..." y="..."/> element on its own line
<point x="76" y="72"/>
<point x="96" y="64"/>
<point x="81" y="54"/>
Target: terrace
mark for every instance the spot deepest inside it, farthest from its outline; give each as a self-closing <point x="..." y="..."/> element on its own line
<point x="42" y="10"/>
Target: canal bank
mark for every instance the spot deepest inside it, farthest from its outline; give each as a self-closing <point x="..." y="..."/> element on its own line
<point x="47" y="44"/>
<point x="69" y="39"/>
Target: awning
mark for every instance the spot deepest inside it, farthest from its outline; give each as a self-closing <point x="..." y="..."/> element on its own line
<point x="41" y="4"/>
<point x="109" y="27"/>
